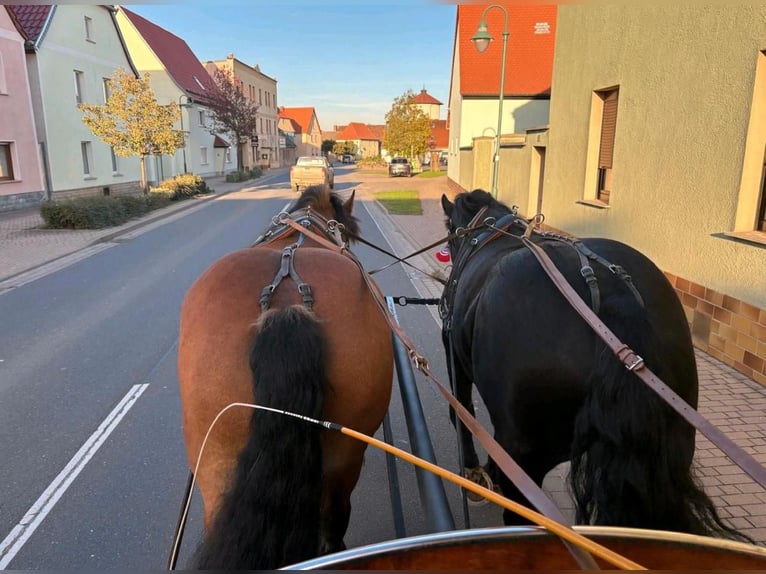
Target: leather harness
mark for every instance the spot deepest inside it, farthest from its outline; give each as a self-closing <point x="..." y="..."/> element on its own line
<point x="280" y="229"/>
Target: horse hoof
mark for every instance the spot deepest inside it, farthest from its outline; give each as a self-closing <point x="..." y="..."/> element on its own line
<point x="480" y="477"/>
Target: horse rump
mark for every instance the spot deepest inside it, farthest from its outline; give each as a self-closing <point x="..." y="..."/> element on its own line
<point x="632" y="454"/>
<point x="270" y="515"/>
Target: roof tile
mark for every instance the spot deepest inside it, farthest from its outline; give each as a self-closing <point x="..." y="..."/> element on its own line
<point x="31" y="18"/>
<point x="356" y="131"/>
<point x="175" y="54"/>
<point x="529" y="57"/>
<point x="302" y="116"/>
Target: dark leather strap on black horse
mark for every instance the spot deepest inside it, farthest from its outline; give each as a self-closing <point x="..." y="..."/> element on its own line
<point x="634" y="363"/>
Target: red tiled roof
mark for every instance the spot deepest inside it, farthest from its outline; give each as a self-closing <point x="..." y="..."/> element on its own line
<point x="31" y="18"/>
<point x="302" y="116"/>
<point x="292" y="125"/>
<point x="379" y="130"/>
<point x="440" y="133"/>
<point x="356" y="131"/>
<point x="425" y="98"/>
<point x="175" y="54"/>
<point x="220" y="142"/>
<point x="529" y="58"/>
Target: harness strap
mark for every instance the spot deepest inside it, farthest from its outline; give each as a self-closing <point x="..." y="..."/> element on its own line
<point x="634" y="363"/>
<point x="287" y="268"/>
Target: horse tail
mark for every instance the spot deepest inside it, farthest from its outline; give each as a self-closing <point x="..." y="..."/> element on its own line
<point x="631" y="462"/>
<point x="270" y="515"/>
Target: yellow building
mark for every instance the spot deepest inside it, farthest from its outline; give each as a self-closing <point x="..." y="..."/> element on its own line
<point x="656" y="138"/>
<point x="262" y="90"/>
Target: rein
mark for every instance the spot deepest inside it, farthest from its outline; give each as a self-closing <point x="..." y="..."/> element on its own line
<point x="567" y="534"/>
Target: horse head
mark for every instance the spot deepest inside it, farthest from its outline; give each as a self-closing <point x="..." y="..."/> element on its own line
<point x="331" y="206"/>
<point x="466" y="208"/>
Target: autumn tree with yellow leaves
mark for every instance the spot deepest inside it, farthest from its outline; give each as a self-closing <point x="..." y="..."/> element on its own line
<point x="407" y="127"/>
<point x="132" y="122"/>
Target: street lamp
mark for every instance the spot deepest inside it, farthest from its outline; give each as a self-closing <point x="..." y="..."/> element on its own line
<point x="189" y="103"/>
<point x="481" y="40"/>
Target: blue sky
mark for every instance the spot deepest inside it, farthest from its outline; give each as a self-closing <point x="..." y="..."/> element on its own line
<point x="348" y="59"/>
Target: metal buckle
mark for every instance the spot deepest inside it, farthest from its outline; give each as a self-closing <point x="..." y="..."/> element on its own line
<point x="637" y="364"/>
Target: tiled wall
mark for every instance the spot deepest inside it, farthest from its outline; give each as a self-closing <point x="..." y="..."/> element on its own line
<point x="728" y="329"/>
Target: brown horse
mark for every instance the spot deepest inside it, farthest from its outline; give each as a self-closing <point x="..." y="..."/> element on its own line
<point x="276" y="490"/>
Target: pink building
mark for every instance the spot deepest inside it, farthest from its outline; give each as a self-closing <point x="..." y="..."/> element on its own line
<point x="21" y="180"/>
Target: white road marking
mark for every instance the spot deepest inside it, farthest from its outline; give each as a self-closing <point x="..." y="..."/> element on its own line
<point x="14" y="542"/>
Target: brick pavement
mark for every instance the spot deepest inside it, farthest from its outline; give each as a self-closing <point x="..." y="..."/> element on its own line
<point x="733" y="402"/>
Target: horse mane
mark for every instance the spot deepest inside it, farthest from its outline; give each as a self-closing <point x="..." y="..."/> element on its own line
<point x="468" y="204"/>
<point x="330" y="205"/>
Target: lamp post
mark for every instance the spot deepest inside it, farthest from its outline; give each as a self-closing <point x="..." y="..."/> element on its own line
<point x="481" y="40"/>
<point x="189" y="103"/>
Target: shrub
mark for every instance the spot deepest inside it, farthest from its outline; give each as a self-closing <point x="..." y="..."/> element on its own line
<point x="372" y="162"/>
<point x="97" y="212"/>
<point x="183" y="186"/>
<point x="244" y="175"/>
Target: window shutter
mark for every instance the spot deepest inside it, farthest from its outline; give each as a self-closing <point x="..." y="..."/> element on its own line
<point x="608" y="127"/>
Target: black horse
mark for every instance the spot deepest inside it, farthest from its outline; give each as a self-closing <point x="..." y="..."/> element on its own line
<point x="553" y="390"/>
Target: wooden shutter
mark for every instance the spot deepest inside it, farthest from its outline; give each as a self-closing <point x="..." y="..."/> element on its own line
<point x="760" y="225"/>
<point x="608" y="127"/>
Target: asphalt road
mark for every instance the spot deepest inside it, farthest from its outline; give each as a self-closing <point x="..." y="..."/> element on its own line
<point x="93" y="462"/>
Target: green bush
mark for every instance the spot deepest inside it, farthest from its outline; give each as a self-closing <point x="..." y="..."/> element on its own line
<point x="372" y="162"/>
<point x="244" y="175"/>
<point x="183" y="186"/>
<point x="97" y="212"/>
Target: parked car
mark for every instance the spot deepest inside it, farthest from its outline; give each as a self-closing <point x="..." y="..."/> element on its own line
<point x="399" y="166"/>
<point x="347" y="158"/>
<point x="312" y="170"/>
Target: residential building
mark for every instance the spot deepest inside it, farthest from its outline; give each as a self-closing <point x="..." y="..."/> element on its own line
<point x="308" y="140"/>
<point x="289" y="134"/>
<point x="429" y="105"/>
<point x="72" y="50"/>
<point x="475" y="84"/>
<point x="21" y="181"/>
<point x="263" y="150"/>
<point x="177" y="77"/>
<point x="656" y="139"/>
<point x="365" y="142"/>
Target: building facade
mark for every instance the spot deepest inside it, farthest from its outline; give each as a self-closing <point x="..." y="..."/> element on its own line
<point x="263" y="150"/>
<point x="21" y="180"/>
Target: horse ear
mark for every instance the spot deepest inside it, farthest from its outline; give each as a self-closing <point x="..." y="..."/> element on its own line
<point x="447" y="205"/>
<point x="348" y="205"/>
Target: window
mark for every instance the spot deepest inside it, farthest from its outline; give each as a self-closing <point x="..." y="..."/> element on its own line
<point x="107" y="89"/>
<point x="750" y="220"/>
<point x="203" y="155"/>
<point x="202" y="118"/>
<point x="87" y="158"/>
<point x="260" y="99"/>
<point x="89" y="29"/>
<point x="79" y="86"/>
<point x="3" y="83"/>
<point x="606" y="146"/>
<point x="6" y="162"/>
<point x="115" y="163"/>
<point x="227" y="155"/>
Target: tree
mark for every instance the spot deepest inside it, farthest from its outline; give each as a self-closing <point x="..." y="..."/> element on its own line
<point x="327" y="146"/>
<point x="343" y="148"/>
<point x="407" y="127"/>
<point x="132" y="122"/>
<point x="232" y="111"/>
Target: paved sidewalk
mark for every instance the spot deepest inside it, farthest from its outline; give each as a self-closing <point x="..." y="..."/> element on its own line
<point x="736" y="404"/>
